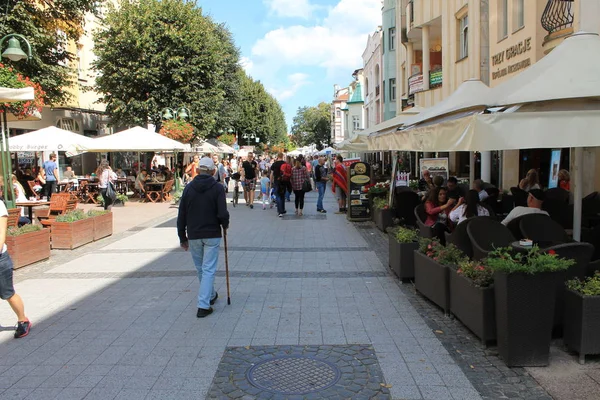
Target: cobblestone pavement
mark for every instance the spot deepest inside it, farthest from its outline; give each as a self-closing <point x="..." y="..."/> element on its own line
<point x="116" y="319"/>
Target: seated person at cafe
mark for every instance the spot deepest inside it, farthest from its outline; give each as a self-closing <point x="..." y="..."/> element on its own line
<point x="120" y="173"/>
<point x="437" y="208"/>
<point x="531" y="181"/>
<point x="478" y="185"/>
<point x="426" y="182"/>
<point x="69" y="174"/>
<point x="438" y="181"/>
<point x="140" y="181"/>
<point x="535" y="199"/>
<point x="468" y="207"/>
<point x="453" y="190"/>
<point x="564" y="180"/>
<point x="20" y="197"/>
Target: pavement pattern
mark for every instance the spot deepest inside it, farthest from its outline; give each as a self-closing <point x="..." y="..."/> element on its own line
<point x="116" y="319"/>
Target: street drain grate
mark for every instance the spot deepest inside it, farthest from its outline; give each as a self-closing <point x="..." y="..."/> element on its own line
<point x="291" y="217"/>
<point x="293" y="375"/>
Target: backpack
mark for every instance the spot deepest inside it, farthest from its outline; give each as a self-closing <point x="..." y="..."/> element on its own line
<point x="286" y="172"/>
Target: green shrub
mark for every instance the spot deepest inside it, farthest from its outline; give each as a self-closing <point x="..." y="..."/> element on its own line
<point x="533" y="262"/>
<point x="405" y="235"/>
<point x="380" y="203"/>
<point x="96" y="213"/>
<point x="12" y="231"/>
<point x="72" y="216"/>
<point x="122" y="197"/>
<point x="590" y="286"/>
<point x="445" y="255"/>
<point x="480" y="274"/>
<point x="177" y="196"/>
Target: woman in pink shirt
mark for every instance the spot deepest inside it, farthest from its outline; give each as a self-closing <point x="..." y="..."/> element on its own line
<point x="437" y="208"/>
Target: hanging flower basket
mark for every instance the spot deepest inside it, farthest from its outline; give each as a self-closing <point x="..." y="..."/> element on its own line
<point x="178" y="130"/>
<point x="9" y="78"/>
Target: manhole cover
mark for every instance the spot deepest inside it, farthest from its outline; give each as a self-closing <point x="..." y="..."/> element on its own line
<point x="293" y="375"/>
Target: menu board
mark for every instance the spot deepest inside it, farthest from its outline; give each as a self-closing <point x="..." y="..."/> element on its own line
<point x="358" y="200"/>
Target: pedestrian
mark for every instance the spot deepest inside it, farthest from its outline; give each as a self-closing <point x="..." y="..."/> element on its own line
<point x="202" y="214"/>
<point x="340" y="184"/>
<point x="51" y="171"/>
<point x="321" y="179"/>
<point x="105" y="175"/>
<point x="229" y="173"/>
<point x="7" y="289"/>
<point x="288" y="192"/>
<point x="299" y="176"/>
<point x="192" y="169"/>
<point x="265" y="189"/>
<point x="249" y="174"/>
<point x="279" y="185"/>
<point x="221" y="174"/>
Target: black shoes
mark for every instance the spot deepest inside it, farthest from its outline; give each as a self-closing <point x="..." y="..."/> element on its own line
<point x="22" y="330"/>
<point x="204" y="312"/>
<point x="214" y="299"/>
<point x="322" y="211"/>
<point x="251" y="206"/>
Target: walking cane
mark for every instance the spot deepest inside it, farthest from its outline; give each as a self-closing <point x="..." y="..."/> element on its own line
<point x="226" y="267"/>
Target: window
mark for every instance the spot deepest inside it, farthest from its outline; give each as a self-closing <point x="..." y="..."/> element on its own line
<point x="519" y="14"/>
<point x="355" y="122"/>
<point x="392" y="39"/>
<point x="68" y="124"/>
<point x="502" y="19"/>
<point x="393" y="89"/>
<point x="338" y="113"/>
<point x="463" y="46"/>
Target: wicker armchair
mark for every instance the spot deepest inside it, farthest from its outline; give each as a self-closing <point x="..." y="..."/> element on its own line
<point x="424" y="230"/>
<point x="487" y="235"/>
<point x="542" y="228"/>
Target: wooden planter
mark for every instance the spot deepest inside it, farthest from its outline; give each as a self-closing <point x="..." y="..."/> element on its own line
<point x="524" y="317"/>
<point x="103" y="226"/>
<point x="432" y="280"/>
<point x="29" y="248"/>
<point x="382" y="218"/>
<point x="473" y="306"/>
<point x="582" y="324"/>
<point x="402" y="259"/>
<point x="70" y="235"/>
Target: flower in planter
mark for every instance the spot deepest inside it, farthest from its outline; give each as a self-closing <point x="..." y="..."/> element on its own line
<point x="380" y="203"/>
<point x="589" y="286"/>
<point x="406" y="235"/>
<point x="177" y="129"/>
<point x="535" y="261"/>
<point x="11" y="79"/>
<point x="481" y="275"/>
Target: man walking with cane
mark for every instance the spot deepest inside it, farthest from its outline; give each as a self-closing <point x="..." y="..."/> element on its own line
<point x="202" y="213"/>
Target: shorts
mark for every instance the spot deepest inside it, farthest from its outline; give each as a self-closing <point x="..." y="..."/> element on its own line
<point x="250" y="185"/>
<point x="7" y="289"/>
<point x="339" y="193"/>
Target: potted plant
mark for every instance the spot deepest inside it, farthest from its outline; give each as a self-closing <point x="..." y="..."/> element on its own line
<point x="525" y="295"/>
<point x="403" y="242"/>
<point x="72" y="230"/>
<point x="121" y="200"/>
<point x="472" y="298"/>
<point x="103" y="223"/>
<point x="177" y="196"/>
<point x="28" y="244"/>
<point x="431" y="270"/>
<point x="581" y="323"/>
<point x="382" y="214"/>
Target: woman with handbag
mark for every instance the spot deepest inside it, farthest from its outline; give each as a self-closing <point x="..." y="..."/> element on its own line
<point x="106" y="177"/>
<point x="299" y="178"/>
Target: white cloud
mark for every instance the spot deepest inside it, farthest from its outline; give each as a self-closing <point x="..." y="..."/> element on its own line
<point x="290" y="8"/>
<point x="296" y="81"/>
<point x="246" y="64"/>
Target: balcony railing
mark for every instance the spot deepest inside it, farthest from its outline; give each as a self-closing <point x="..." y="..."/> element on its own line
<point x="558" y="15"/>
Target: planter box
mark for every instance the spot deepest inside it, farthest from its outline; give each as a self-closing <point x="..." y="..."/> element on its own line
<point x="432" y="280"/>
<point x="401" y="258"/>
<point x="382" y="218"/>
<point x="69" y="235"/>
<point x="473" y="306"/>
<point x="103" y="226"/>
<point x="29" y="248"/>
<point x="582" y="324"/>
<point x="524" y="317"/>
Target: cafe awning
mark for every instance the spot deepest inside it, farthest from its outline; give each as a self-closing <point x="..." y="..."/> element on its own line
<point x="49" y="139"/>
<point x="136" y="139"/>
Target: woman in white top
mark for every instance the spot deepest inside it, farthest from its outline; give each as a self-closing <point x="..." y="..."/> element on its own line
<point x="531" y="181"/>
<point x="105" y="175"/>
<point x="470" y="208"/>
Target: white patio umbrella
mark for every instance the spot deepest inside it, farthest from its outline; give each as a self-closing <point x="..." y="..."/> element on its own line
<point x="50" y="139"/>
<point x="206" y="147"/>
<point x="136" y="139"/>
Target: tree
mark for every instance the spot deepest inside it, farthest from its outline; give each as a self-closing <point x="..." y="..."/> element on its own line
<point x="48" y="25"/>
<point x="155" y="54"/>
<point x="312" y="125"/>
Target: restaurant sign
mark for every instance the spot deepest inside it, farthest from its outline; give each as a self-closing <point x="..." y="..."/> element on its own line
<point x="415" y="84"/>
<point x="508" y="54"/>
<point x="358" y="201"/>
<point x="435" y="78"/>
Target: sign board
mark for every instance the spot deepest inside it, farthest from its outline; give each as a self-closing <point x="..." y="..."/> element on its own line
<point x="554" y="168"/>
<point x="349" y="161"/>
<point x="25" y="158"/>
<point x="236" y="146"/>
<point x="436" y="166"/>
<point x="435" y="78"/>
<point x="415" y="84"/>
<point x="359" y="175"/>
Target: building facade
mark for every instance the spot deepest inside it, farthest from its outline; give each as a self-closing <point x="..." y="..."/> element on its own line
<point x="355" y="116"/>
<point x="372" y="73"/>
<point x="389" y="46"/>
<point x="338" y="108"/>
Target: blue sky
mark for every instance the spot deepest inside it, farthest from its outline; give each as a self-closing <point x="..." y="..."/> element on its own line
<point x="299" y="48"/>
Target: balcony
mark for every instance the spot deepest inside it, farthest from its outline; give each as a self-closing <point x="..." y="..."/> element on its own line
<point x="415" y="82"/>
<point x="558" y="15"/>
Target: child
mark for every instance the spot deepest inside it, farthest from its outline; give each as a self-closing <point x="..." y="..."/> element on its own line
<point x="265" y="185"/>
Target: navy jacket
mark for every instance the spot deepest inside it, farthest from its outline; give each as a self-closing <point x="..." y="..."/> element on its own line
<point x="202" y="209"/>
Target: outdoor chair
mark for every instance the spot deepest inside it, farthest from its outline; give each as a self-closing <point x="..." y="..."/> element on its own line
<point x="491" y="202"/>
<point x="519" y="196"/>
<point x="592" y="236"/>
<point x="558" y="194"/>
<point x="541" y="228"/>
<point x="31" y="185"/>
<point x="13" y="217"/>
<point x="405" y="203"/>
<point x="460" y="238"/>
<point x="560" y="211"/>
<point x="58" y="205"/>
<point x="487" y="235"/>
<point x="514" y="226"/>
<point x="424" y="230"/>
<point x="166" y="193"/>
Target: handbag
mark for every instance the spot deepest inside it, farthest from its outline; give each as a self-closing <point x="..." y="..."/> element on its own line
<point x="111" y="193"/>
<point x="306" y="185"/>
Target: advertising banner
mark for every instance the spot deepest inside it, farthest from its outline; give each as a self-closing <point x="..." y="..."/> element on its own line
<point x="554" y="168"/>
<point x="358" y="199"/>
<point x="436" y="166"/>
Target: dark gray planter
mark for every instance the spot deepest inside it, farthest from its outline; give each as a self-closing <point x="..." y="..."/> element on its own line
<point x="524" y="317"/>
<point x="382" y="218"/>
<point x="401" y="258"/>
<point x="582" y="324"/>
<point x="432" y="280"/>
<point x="473" y="306"/>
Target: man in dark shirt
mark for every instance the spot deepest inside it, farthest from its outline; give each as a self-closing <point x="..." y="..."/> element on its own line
<point x="454" y="191"/>
<point x="321" y="183"/>
<point x="249" y="173"/>
<point x="279" y="186"/>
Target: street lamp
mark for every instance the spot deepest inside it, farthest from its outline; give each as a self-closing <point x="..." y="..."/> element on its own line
<point x="181" y="113"/>
<point x="250" y="137"/>
<point x="14" y="53"/>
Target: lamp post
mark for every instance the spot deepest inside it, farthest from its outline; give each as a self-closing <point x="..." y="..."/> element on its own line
<point x="14" y="53"/>
<point x="250" y="137"/>
<point x="181" y="113"/>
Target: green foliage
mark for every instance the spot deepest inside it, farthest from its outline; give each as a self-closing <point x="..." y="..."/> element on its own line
<point x="312" y="125"/>
<point x="405" y="235"/>
<point x="177" y="196"/>
<point x="380" y="203"/>
<point x="72" y="216"/>
<point x="535" y="261"/>
<point x="481" y="275"/>
<point x="122" y="197"/>
<point x="445" y="255"/>
<point x="96" y="213"/>
<point x="12" y="231"/>
<point x="227" y="138"/>
<point x="590" y="286"/>
<point x="47" y="25"/>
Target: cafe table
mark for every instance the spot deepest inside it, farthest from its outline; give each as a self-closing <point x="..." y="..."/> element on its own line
<point x="155" y="187"/>
<point x="517" y="246"/>
<point x="30" y="205"/>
